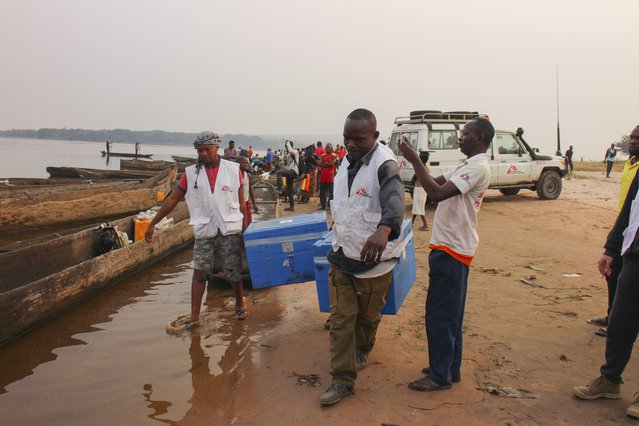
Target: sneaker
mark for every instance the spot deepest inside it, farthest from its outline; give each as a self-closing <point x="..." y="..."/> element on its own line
<point x="425" y="384"/>
<point x="633" y="409"/>
<point x="361" y="359"/>
<point x="601" y="387"/>
<point x="335" y="393"/>
<point x="600" y="321"/>
<point x="426" y="370"/>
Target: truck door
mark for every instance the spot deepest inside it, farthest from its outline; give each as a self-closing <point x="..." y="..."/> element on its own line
<point x="512" y="160"/>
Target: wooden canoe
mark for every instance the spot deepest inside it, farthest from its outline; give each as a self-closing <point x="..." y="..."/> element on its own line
<point x="125" y="154"/>
<point x="84" y="173"/>
<point x="46" y="207"/>
<point x="42" y="279"/>
<point x="154" y="165"/>
<point x="182" y="159"/>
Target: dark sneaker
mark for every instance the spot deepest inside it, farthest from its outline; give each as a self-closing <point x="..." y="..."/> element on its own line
<point x="335" y="393"/>
<point x="600" y="321"/>
<point x="361" y="359"/>
<point x="601" y="387"/>
<point x="633" y="409"/>
<point x="426" y="385"/>
<point x="426" y="370"/>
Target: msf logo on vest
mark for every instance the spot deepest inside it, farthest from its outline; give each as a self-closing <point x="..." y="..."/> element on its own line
<point x="362" y="192"/>
<point x="227" y="188"/>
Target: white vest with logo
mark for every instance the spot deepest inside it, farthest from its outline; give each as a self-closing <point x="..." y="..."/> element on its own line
<point x="218" y="210"/>
<point x="356" y="216"/>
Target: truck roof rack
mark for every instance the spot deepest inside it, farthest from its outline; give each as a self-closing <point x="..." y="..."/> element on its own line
<point x="430" y="116"/>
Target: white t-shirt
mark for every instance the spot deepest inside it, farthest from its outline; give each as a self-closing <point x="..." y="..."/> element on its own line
<point x="455" y="222"/>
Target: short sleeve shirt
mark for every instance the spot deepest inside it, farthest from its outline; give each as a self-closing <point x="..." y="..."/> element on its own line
<point x="327" y="175"/>
<point x="455" y="222"/>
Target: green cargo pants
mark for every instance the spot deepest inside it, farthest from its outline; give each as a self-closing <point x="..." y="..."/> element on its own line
<point x="355" y="314"/>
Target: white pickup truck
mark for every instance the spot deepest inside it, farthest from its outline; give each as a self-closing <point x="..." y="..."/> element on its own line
<point x="513" y="163"/>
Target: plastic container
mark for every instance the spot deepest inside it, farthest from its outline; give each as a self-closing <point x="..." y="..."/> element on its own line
<point x="140" y="226"/>
<point x="280" y="251"/>
<point x="404" y="273"/>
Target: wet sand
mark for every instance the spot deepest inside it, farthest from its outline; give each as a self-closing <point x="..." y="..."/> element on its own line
<point x="110" y="360"/>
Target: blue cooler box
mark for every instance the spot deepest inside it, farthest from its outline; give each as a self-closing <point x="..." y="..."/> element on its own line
<point x="280" y="251"/>
<point x="404" y="273"/>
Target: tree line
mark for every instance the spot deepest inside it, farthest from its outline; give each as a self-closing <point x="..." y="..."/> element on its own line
<point x="156" y="137"/>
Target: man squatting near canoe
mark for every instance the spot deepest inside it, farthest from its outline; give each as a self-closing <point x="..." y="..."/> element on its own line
<point x="214" y="196"/>
<point x="368" y="209"/>
<point x="459" y="194"/>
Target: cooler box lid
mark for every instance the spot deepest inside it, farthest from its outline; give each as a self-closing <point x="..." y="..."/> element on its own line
<point x="306" y="225"/>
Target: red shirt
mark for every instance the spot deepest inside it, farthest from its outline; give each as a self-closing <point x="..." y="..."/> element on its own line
<point x="211" y="173"/>
<point x="341" y="153"/>
<point x="319" y="151"/>
<point x="327" y="175"/>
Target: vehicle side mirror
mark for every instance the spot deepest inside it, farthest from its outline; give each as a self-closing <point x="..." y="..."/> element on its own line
<point x="536" y="149"/>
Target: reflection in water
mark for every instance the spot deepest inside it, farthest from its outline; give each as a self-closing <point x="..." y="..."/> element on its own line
<point x="220" y="359"/>
<point x="113" y="348"/>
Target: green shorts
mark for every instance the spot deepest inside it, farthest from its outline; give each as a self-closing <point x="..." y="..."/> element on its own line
<point x="227" y="248"/>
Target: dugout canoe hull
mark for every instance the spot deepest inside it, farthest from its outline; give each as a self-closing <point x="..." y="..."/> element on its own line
<point x="46" y="207"/>
<point x="154" y="165"/>
<point x="42" y="280"/>
<point x="125" y="154"/>
<point x="84" y="173"/>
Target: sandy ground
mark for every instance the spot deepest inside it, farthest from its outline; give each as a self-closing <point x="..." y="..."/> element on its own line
<point x="515" y="336"/>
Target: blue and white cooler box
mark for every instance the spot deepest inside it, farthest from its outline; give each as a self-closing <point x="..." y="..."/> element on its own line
<point x="280" y="251"/>
<point x="404" y="273"/>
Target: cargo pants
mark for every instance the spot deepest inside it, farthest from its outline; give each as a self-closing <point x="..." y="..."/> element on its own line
<point x="356" y="304"/>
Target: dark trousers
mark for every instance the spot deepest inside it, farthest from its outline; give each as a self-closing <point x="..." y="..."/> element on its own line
<point x="611" y="281"/>
<point x="445" y="305"/>
<point x="290" y="176"/>
<point x="609" y="167"/>
<point x="324" y="188"/>
<point x="623" y="322"/>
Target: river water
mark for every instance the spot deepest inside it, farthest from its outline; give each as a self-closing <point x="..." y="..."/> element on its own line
<point x="110" y="359"/>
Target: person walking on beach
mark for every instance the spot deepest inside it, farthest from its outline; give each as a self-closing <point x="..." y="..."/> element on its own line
<point x="214" y="195"/>
<point x="230" y="153"/>
<point x="630" y="168"/>
<point x="623" y="321"/>
<point x="611" y="153"/>
<point x="137" y="149"/>
<point x="419" y="195"/>
<point x="290" y="172"/>
<point x="568" y="158"/>
<point x="368" y="209"/>
<point x="327" y="176"/>
<point x="459" y="194"/>
<point x="247" y="189"/>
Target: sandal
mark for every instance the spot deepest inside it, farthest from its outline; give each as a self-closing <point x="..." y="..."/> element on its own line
<point x="241" y="314"/>
<point x="602" y="332"/>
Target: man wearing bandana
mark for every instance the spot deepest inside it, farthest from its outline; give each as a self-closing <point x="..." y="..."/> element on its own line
<point x="214" y="196"/>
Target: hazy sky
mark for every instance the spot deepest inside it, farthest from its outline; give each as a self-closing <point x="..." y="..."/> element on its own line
<point x="296" y="66"/>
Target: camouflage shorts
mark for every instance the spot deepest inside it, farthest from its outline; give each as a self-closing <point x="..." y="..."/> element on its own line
<point x="226" y="248"/>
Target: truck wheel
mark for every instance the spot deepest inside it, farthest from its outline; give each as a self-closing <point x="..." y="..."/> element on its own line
<point x="509" y="191"/>
<point x="549" y="185"/>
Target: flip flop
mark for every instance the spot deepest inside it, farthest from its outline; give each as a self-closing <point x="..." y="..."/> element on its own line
<point x="182" y="323"/>
<point x="424" y="228"/>
<point x="241" y="314"/>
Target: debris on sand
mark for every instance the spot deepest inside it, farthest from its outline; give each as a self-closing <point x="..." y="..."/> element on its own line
<point x="531" y="282"/>
<point x="308" y="379"/>
<point x="533" y="267"/>
<point x="507" y="392"/>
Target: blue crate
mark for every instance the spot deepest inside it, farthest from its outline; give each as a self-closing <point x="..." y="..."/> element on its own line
<point x="404" y="273"/>
<point x="280" y="251"/>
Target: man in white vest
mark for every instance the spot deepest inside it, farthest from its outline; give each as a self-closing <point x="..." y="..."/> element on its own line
<point x="459" y="194"/>
<point x="213" y="192"/>
<point x="368" y="209"/>
<point x="623" y="321"/>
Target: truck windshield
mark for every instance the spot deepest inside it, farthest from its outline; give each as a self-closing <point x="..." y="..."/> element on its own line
<point x="395" y="137"/>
